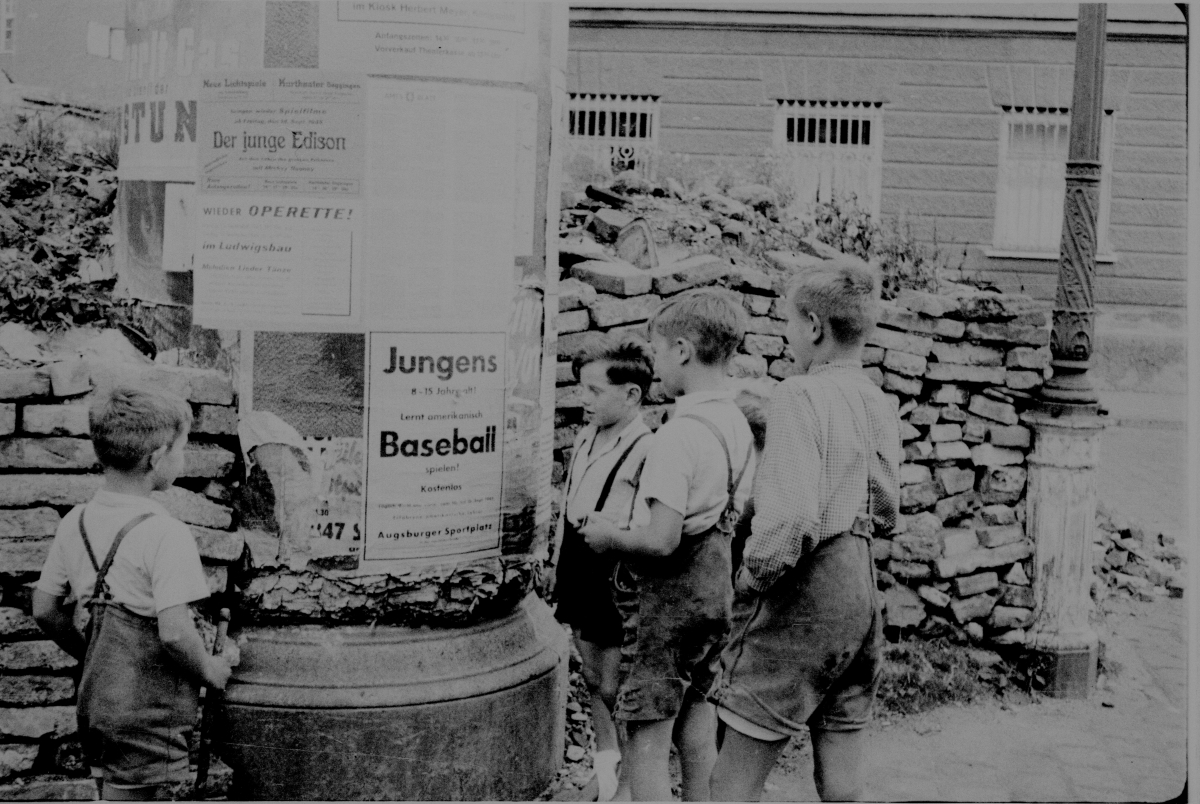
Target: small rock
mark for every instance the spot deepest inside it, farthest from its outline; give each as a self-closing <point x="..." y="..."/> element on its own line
<point x="575" y="753"/>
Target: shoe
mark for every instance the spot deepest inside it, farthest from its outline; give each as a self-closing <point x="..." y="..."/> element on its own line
<point x="605" y="765"/>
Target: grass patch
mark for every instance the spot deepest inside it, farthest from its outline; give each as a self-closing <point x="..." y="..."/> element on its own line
<point x="920" y="675"/>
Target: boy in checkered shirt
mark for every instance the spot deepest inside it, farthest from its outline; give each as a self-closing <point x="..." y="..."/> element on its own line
<point x="807" y="631"/>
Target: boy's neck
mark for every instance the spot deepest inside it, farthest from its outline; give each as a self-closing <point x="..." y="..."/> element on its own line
<point x="118" y="482"/>
<point x="610" y="431"/>
<point x="831" y="352"/>
<point x="699" y="378"/>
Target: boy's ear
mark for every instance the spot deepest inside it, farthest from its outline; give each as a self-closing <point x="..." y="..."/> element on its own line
<point x="818" y="328"/>
<point x="153" y="459"/>
<point x="687" y="350"/>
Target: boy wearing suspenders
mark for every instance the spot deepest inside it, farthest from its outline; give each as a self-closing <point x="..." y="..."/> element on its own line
<point x="605" y="463"/>
<point x="136" y="568"/>
<point x="673" y="584"/>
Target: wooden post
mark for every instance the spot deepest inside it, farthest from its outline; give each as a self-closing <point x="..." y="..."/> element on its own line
<point x="1061" y="496"/>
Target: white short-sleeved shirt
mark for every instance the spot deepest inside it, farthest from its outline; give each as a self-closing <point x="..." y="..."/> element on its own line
<point x="156" y="567"/>
<point x="591" y="466"/>
<point x="685" y="466"/>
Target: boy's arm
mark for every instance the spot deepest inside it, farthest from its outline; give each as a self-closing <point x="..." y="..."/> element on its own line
<point x="658" y="538"/>
<point x="885" y="489"/>
<point x="786" y="508"/>
<point x="54" y="619"/>
<point x="181" y="639"/>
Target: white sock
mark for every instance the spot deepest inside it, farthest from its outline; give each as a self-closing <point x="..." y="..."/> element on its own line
<point x="605" y="765"/>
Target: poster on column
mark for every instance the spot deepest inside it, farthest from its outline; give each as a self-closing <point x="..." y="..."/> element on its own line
<point x="440" y="185"/>
<point x="279" y="218"/>
<point x="435" y="418"/>
<point x="167" y="45"/>
<point x="490" y="40"/>
<point x="277" y="263"/>
<point x="282" y="131"/>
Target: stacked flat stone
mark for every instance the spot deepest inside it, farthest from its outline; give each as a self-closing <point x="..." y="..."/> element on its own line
<point x="960" y="365"/>
<point x="47" y="465"/>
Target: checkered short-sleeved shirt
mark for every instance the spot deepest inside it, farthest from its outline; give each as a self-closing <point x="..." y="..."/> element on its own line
<point x="828" y="433"/>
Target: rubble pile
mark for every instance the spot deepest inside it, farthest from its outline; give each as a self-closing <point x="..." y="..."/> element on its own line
<point x="1126" y="560"/>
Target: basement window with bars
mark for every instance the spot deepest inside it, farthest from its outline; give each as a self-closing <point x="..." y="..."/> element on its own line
<point x="1031" y="182"/>
<point x="618" y="132"/>
<point x="831" y="148"/>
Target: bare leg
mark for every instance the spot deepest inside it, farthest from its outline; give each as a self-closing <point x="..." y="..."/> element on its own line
<point x="837" y="760"/>
<point x="600" y="673"/>
<point x="743" y="766"/>
<point x="646" y="763"/>
<point x="600" y="666"/>
<point x="697" y="741"/>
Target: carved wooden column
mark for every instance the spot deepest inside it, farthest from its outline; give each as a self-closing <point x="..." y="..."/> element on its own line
<point x="1061" y="496"/>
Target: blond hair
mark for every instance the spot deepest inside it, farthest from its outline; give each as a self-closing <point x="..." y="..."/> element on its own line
<point x="842" y="293"/>
<point x="712" y="319"/>
<point x="128" y="424"/>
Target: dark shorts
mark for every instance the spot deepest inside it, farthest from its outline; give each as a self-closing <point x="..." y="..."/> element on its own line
<point x="135" y="709"/>
<point x="676" y="617"/>
<point x="807" y="652"/>
<point x="583" y="586"/>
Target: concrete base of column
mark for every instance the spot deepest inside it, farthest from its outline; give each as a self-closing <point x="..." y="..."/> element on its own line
<point x="1060" y="518"/>
<point x="1071" y="673"/>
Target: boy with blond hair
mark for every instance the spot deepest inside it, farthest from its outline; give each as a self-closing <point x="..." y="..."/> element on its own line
<point x="136" y="568"/>
<point x="673" y="585"/>
<point x="806" y="639"/>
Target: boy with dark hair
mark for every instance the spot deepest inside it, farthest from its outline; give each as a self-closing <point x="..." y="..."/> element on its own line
<point x="673" y="584"/>
<point x="136" y="568"/>
<point x="806" y="638"/>
<point x="606" y="460"/>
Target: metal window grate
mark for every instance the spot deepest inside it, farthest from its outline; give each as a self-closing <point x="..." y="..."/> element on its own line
<point x="617" y="132"/>
<point x="831" y="148"/>
<point x="1031" y="179"/>
<point x="627" y="117"/>
<point x="847" y="123"/>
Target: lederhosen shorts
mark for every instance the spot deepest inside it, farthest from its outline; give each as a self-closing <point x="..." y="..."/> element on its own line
<point x="135" y="708"/>
<point x="807" y="651"/>
<point x="676" y="613"/>
<point x="584" y="578"/>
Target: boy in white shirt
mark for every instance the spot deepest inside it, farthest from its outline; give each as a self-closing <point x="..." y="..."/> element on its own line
<point x="674" y="584"/>
<point x="137" y="568"/>
<point x="606" y="461"/>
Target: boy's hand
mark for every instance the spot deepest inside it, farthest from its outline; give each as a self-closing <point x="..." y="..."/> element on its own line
<point x="599" y="534"/>
<point x="217" y="671"/>
<point x="231" y="653"/>
<point x="741" y="583"/>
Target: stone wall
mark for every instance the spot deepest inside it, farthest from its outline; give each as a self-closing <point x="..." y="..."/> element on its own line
<point x="47" y="466"/>
<point x="959" y="366"/>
